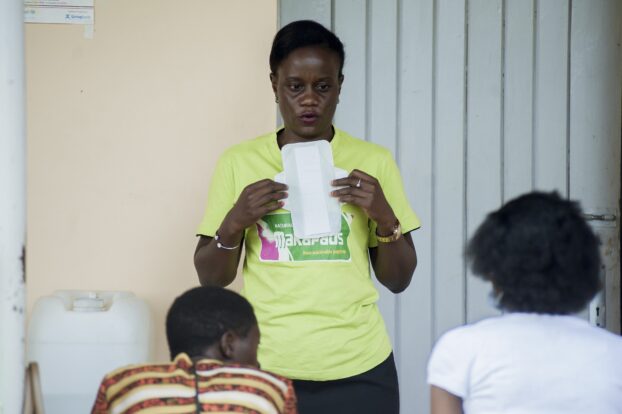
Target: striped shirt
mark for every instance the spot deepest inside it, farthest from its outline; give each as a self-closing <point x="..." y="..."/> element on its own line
<point x="172" y="388"/>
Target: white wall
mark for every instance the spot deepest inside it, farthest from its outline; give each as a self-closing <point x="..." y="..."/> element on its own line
<point x="480" y="100"/>
<point x="123" y="133"/>
<point x="12" y="206"/>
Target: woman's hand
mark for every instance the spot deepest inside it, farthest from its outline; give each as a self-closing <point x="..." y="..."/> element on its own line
<point x="254" y="202"/>
<point x="364" y="191"/>
<point x="394" y="262"/>
<point x="218" y="265"/>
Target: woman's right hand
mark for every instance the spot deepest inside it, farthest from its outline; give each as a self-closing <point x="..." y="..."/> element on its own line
<point x="255" y="201"/>
<point x="218" y="266"/>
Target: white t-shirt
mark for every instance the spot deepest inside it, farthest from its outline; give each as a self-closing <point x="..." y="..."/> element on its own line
<point x="523" y="363"/>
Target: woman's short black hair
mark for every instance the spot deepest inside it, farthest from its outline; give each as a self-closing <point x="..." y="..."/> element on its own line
<point x="198" y="319"/>
<point x="303" y="33"/>
<point x="539" y="253"/>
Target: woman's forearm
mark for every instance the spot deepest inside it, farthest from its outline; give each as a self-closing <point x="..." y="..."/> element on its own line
<point x="216" y="266"/>
<point x="394" y="263"/>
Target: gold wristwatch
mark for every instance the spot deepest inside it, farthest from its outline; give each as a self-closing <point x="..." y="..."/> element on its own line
<point x="397" y="233"/>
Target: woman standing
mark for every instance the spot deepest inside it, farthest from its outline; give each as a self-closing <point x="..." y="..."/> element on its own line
<point x="315" y="300"/>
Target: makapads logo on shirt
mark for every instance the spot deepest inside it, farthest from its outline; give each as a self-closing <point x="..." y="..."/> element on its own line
<point x="278" y="243"/>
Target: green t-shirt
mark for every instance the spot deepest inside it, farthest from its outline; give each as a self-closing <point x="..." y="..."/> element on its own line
<point x="314" y="298"/>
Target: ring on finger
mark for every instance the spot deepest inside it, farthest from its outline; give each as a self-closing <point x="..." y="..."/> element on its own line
<point x="358" y="184"/>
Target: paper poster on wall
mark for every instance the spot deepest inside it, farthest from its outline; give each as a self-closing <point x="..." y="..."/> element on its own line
<point x="59" y="11"/>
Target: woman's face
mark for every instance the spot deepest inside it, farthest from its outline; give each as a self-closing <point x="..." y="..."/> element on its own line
<point x="307" y="85"/>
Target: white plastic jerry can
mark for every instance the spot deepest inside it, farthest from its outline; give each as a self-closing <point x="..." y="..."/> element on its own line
<point x="79" y="336"/>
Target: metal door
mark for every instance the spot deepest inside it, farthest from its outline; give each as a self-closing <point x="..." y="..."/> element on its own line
<point x="480" y="100"/>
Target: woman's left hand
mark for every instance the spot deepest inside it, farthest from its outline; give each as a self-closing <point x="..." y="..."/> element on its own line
<point x="395" y="262"/>
<point x="364" y="191"/>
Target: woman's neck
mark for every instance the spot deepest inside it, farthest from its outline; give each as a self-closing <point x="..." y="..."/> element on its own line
<point x="284" y="137"/>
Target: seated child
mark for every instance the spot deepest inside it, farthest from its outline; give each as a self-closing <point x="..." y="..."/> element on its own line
<point x="212" y="336"/>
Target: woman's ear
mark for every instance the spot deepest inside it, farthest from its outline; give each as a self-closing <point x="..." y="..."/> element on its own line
<point x="273" y="81"/>
<point x="340" y="83"/>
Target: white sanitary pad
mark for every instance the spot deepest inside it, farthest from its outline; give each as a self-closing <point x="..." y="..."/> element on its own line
<point x="308" y="173"/>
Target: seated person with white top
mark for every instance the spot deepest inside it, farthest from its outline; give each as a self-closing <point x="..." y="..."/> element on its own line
<point x="543" y="261"/>
<point x="212" y="336"/>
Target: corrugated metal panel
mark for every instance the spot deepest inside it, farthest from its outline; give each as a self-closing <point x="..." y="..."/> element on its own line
<point x="594" y="120"/>
<point x="484" y="130"/>
<point x="318" y="10"/>
<point x="518" y="97"/>
<point x="550" y="133"/>
<point x="449" y="135"/>
<point x="480" y="100"/>
<point x="381" y="100"/>
<point x="415" y="157"/>
<point x="350" y="21"/>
